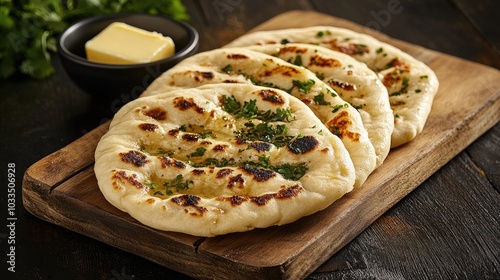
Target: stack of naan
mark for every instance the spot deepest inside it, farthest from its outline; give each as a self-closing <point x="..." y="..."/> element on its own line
<point x="273" y="127"/>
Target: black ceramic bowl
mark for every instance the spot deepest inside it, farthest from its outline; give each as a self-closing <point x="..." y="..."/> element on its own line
<point x="121" y="82"/>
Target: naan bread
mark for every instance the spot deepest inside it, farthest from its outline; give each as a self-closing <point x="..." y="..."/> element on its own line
<point x="411" y="84"/>
<point x="219" y="159"/>
<point x="352" y="80"/>
<point x="240" y="65"/>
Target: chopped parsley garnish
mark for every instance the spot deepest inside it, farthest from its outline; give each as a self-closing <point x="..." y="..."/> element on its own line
<point x="150" y="184"/>
<point x="199" y="130"/>
<point x="335" y="130"/>
<point x="231" y="105"/>
<point x="215" y="162"/>
<point x="288" y="171"/>
<point x="357" y="107"/>
<point x="404" y="87"/>
<point x="200" y="151"/>
<point x="249" y="110"/>
<point x="320" y="99"/>
<point x="285" y="41"/>
<point x="297" y="61"/>
<point x="303" y="87"/>
<point x="336" y="108"/>
<point x="160" y="151"/>
<point x="265" y="132"/>
<point x="320" y="76"/>
<point x="169" y="187"/>
<point x="360" y="49"/>
<point x="227" y="69"/>
<point x="322" y="33"/>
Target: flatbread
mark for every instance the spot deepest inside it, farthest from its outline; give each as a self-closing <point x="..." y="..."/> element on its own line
<point x="219" y="159"/>
<point x="241" y="65"/>
<point x="352" y="80"/>
<point x="411" y="84"/>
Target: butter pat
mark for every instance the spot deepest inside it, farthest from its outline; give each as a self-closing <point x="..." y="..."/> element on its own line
<point x="120" y="43"/>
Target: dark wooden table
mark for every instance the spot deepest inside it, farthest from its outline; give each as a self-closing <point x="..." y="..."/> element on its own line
<point x="448" y="228"/>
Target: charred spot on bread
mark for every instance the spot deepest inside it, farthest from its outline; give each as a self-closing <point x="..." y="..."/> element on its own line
<point x="260" y="146"/>
<point x="156" y="113"/>
<point x="190" y="137"/>
<point x="340" y="126"/>
<point x="188" y="200"/>
<point x="134" y="157"/>
<point x="168" y="162"/>
<point x="148" y="126"/>
<point x="324" y="62"/>
<point x="302" y="145"/>
<point x="223" y="173"/>
<point x="183" y="104"/>
<point x="237" y="180"/>
<point x="259" y="174"/>
<point x="122" y="177"/>
<point x="237" y="56"/>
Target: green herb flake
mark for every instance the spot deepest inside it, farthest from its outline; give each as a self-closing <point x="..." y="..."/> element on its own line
<point x="227" y="69"/>
<point x="249" y="110"/>
<point x="336" y="108"/>
<point x="288" y="171"/>
<point x="335" y="130"/>
<point x="404" y="87"/>
<point x="200" y="151"/>
<point x="150" y="184"/>
<point x="303" y="87"/>
<point x="274" y="134"/>
<point x="177" y="185"/>
<point x="298" y="60"/>
<point x="320" y="100"/>
<point x="320" y="76"/>
<point x="285" y="41"/>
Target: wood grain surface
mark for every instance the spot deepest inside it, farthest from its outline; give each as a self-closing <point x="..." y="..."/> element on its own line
<point x="61" y="188"/>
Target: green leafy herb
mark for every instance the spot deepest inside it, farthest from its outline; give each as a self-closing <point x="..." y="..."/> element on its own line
<point x="404" y="87"/>
<point x="169" y="187"/>
<point x="249" y="110"/>
<point x="285" y="41"/>
<point x="200" y="151"/>
<point x="150" y="184"/>
<point x="214" y="162"/>
<point x="288" y="171"/>
<point x="320" y="76"/>
<point x="322" y="33"/>
<point x="296" y="61"/>
<point x="227" y="69"/>
<point x="178" y="183"/>
<point x="320" y="99"/>
<point x="336" y="108"/>
<point x="303" y="87"/>
<point x="335" y="130"/>
<point x="29" y="28"/>
<point x="265" y="132"/>
<point x="198" y="129"/>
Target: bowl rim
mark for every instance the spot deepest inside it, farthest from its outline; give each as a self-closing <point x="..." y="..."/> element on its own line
<point x="191" y="46"/>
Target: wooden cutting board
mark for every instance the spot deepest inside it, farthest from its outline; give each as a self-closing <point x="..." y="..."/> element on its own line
<point x="62" y="188"/>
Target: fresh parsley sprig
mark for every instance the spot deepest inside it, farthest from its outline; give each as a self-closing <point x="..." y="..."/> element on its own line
<point x="29" y="28"/>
